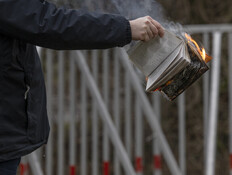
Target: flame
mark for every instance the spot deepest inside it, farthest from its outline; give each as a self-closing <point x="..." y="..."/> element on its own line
<point x="201" y="51"/>
<point x="203" y="54"/>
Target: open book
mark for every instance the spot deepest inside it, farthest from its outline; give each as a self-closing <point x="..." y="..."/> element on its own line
<point x="169" y="63"/>
<point x="160" y="59"/>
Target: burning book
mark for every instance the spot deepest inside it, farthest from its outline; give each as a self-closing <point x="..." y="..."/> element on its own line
<point x="171" y="63"/>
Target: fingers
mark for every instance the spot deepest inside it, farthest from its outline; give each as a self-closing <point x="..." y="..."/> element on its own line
<point x="153" y="29"/>
<point x="150" y="32"/>
<point x="145" y="28"/>
<point x="158" y="27"/>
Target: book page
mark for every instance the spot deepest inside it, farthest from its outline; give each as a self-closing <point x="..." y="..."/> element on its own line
<point x="180" y="62"/>
<point x="147" y="56"/>
<point x="179" y="66"/>
<point x="187" y="56"/>
<point x="157" y="73"/>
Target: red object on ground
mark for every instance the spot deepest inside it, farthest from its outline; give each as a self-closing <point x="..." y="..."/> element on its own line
<point x="106" y="168"/>
<point x="72" y="170"/>
<point x="157" y="162"/>
<point x="23" y="168"/>
<point x="138" y="164"/>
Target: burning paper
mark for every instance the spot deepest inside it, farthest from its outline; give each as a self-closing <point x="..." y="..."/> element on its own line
<point x="171" y="64"/>
<point x="201" y="51"/>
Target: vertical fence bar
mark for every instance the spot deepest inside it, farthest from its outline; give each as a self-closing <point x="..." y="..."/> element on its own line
<point x="138" y="137"/>
<point x="128" y="128"/>
<point x="61" y="113"/>
<point x="49" y="147"/>
<point x="35" y="164"/>
<point x="214" y="97"/>
<point x="116" y="107"/>
<point x="72" y="124"/>
<point x="230" y="98"/>
<point x="105" y="115"/>
<point x="156" y="146"/>
<point x="83" y="125"/>
<point x="206" y="94"/>
<point x="95" y="117"/>
<point x="106" y="164"/>
<point x="39" y="50"/>
<point x="150" y="115"/>
<point x="182" y="147"/>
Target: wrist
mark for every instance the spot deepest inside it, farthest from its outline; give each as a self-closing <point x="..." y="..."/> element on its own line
<point x="133" y="28"/>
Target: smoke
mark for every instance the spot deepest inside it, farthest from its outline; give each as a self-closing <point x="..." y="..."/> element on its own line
<point x="131" y="9"/>
<point x="137" y="8"/>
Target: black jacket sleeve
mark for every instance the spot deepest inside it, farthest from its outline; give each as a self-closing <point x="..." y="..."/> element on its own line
<point x="41" y="23"/>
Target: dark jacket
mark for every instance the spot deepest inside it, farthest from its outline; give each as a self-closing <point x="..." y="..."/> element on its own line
<point x="24" y="23"/>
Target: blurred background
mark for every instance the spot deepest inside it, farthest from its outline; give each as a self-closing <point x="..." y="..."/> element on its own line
<point x="80" y="142"/>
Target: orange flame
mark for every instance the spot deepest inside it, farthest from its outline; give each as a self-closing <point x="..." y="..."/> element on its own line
<point x="203" y="54"/>
<point x="201" y="51"/>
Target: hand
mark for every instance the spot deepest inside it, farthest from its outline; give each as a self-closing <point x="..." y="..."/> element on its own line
<point x="145" y="28"/>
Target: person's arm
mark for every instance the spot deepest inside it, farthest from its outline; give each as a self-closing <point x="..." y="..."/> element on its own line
<point x="41" y="23"/>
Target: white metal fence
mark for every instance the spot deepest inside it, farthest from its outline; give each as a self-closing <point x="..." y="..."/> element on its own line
<point x="102" y="122"/>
